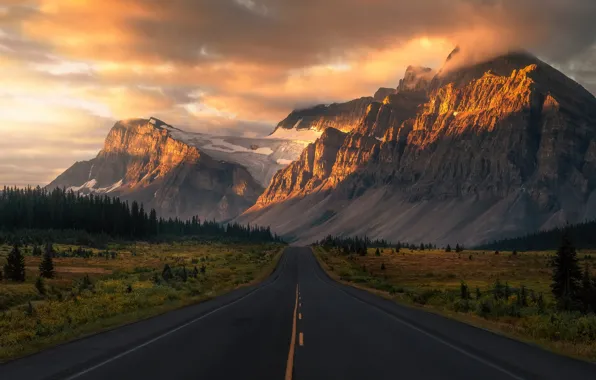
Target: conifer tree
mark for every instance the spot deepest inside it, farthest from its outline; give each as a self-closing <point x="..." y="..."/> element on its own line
<point x="166" y="273"/>
<point x="566" y="274"/>
<point x="14" y="269"/>
<point x="448" y="249"/>
<point x="46" y="267"/>
<point x="49" y="249"/>
<point x="377" y="252"/>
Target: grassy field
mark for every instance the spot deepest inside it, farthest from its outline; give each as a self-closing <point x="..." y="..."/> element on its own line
<point x="118" y="285"/>
<point x="505" y="293"/>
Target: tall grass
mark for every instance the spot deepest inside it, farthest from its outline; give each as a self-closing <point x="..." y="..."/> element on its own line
<point x="130" y="286"/>
<point x="428" y="280"/>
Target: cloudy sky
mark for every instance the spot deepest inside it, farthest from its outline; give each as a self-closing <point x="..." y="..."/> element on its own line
<point x="70" y="68"/>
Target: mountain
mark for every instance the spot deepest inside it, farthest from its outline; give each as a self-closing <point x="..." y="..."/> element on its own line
<point x="468" y="154"/>
<point x="180" y="173"/>
<point x="342" y="116"/>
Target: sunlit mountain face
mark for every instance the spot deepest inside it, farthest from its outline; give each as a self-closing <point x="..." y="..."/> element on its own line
<point x="237" y="67"/>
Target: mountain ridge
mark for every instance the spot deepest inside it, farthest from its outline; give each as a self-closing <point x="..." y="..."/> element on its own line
<point x="511" y="140"/>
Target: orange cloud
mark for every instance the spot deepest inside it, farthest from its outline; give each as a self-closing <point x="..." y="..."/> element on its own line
<point x="72" y="66"/>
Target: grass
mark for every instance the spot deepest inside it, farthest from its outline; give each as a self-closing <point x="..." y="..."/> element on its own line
<point x="124" y="286"/>
<point x="433" y="280"/>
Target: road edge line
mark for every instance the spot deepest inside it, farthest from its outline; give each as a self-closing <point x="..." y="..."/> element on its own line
<point x="133" y="349"/>
<point x="461" y="350"/>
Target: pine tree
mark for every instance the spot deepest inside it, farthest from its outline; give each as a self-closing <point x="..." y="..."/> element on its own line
<point x="566" y="274"/>
<point x="14" y="269"/>
<point x="448" y="249"/>
<point x="49" y="249"/>
<point x="523" y="296"/>
<point x="377" y="252"/>
<point x="46" y="267"/>
<point x="464" y="292"/>
<point x="166" y="273"/>
<point x="36" y="250"/>
<point x="422" y="246"/>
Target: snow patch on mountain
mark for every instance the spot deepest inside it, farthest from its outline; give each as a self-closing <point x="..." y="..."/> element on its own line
<point x="304" y="136"/>
<point x="89" y="187"/>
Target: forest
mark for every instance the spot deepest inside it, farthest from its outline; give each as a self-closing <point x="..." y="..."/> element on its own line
<point x="39" y="209"/>
<point x="582" y="234"/>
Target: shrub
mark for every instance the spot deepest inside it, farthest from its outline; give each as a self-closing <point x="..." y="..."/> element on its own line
<point x="461" y="306"/>
<point x="464" y="292"/>
<point x="40" y="286"/>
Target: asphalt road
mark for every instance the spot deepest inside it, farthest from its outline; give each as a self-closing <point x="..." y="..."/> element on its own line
<point x="297" y="324"/>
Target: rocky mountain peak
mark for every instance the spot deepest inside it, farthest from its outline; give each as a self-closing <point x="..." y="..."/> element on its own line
<point x="383" y="92"/>
<point x="416" y="78"/>
<point x="476" y="152"/>
<point x="141" y="160"/>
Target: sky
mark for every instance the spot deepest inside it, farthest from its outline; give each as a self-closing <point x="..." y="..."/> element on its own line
<point x="71" y="68"/>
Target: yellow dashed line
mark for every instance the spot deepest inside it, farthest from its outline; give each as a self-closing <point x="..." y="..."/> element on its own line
<point x="290" y="364"/>
<point x="301" y="340"/>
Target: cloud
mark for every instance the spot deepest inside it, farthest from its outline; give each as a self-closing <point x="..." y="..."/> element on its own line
<point x="296" y="33"/>
<point x="70" y="67"/>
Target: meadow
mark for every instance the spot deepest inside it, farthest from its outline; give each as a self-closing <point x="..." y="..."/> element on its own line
<point x="505" y="292"/>
<point x="97" y="289"/>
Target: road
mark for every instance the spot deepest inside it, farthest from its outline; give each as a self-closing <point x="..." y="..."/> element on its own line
<point x="298" y="324"/>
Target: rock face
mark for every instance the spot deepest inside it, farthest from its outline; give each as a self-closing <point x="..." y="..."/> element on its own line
<point x="142" y="161"/>
<point x="341" y="116"/>
<point x="467" y="155"/>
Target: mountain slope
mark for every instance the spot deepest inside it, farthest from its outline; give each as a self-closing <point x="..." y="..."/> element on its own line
<point x="183" y="173"/>
<point x="497" y="149"/>
<point x="142" y="161"/>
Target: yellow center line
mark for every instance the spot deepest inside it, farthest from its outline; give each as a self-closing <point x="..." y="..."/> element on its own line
<point x="301" y="340"/>
<point x="290" y="365"/>
<point x="299" y="315"/>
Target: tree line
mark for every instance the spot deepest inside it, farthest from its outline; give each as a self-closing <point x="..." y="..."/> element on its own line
<point x="359" y="245"/>
<point x="583" y="235"/>
<point x="59" y="209"/>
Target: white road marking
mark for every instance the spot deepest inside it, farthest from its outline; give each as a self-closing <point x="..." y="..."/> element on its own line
<point x="79" y="374"/>
<point x="440" y="340"/>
